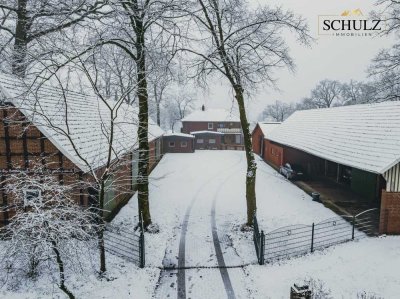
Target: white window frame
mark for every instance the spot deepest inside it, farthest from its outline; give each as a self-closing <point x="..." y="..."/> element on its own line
<point x="171" y="144"/>
<point x="31" y="190"/>
<point x="210" y="126"/>
<point x="184" y="144"/>
<point x="200" y="140"/>
<point x="212" y="141"/>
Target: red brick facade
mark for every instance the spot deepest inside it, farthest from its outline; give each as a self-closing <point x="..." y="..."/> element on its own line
<point x="273" y="153"/>
<point x="390" y="213"/>
<point x="23" y="146"/>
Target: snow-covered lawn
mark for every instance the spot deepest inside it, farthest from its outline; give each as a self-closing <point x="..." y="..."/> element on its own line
<point x="200" y="179"/>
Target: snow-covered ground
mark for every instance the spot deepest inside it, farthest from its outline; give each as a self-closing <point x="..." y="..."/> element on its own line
<point x="198" y="198"/>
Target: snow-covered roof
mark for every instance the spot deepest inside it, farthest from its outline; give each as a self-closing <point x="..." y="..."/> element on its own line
<point x="178" y="135"/>
<point x="267" y="127"/>
<point x="69" y="119"/>
<point x="361" y="136"/>
<point x="221" y="115"/>
<point x="206" y="132"/>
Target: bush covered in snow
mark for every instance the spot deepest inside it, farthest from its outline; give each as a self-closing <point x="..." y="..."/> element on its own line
<point x="318" y="289"/>
<point x="48" y="234"/>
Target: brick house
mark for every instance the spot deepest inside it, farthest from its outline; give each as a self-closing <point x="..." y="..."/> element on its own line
<point x="355" y="145"/>
<point x="178" y="143"/>
<point x="218" y="121"/>
<point x="67" y="133"/>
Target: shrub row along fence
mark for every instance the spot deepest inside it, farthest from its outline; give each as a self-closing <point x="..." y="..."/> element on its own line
<point x="126" y="244"/>
<point x="295" y="240"/>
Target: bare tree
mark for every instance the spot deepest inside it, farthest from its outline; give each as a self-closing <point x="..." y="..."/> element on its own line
<point x="137" y="26"/>
<point x="385" y="67"/>
<point x="389" y="12"/>
<point x="244" y="46"/>
<point x="48" y="229"/>
<point x="179" y="104"/>
<point x="325" y="94"/>
<point x="24" y="22"/>
<point x="278" y="111"/>
<point x="115" y="73"/>
<point x="385" y="70"/>
<point x="357" y="93"/>
<point x="160" y="80"/>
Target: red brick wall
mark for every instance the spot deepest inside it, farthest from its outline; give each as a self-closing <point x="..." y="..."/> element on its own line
<point x="390" y="213"/>
<point x="273" y="153"/>
<point x="256" y="138"/>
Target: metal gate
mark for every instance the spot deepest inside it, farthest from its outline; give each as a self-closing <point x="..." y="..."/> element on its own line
<point x="125" y="244"/>
<point x="295" y="240"/>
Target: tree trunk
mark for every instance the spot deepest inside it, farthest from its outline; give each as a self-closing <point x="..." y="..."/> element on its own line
<point x="21" y="40"/>
<point x="158" y="113"/>
<point x="61" y="270"/>
<point x="101" y="231"/>
<point x="251" y="164"/>
<point x="143" y="165"/>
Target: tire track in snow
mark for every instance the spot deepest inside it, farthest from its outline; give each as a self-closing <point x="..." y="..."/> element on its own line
<point x="181" y="276"/>
<point x="217" y="245"/>
<point x="220" y="258"/>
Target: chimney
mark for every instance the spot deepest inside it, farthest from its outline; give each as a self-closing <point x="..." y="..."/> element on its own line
<point x="203" y="108"/>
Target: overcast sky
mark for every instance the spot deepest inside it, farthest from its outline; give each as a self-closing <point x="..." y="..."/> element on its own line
<point x="339" y="58"/>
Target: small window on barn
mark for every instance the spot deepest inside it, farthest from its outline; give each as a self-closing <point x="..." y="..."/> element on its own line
<point x="210" y="126"/>
<point x="200" y="141"/>
<point x="183" y="144"/>
<point x="32" y="194"/>
<point x="211" y="141"/>
<point x="171" y="144"/>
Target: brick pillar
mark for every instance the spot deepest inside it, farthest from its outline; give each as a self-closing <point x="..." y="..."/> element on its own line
<point x="390" y="213"/>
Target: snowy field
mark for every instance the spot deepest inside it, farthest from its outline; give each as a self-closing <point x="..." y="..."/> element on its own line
<point x="198" y="197"/>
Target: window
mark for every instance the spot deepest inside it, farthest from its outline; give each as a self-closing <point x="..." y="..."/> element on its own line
<point x="200" y="141"/>
<point x="211" y="141"/>
<point x="183" y="144"/>
<point x="238" y="139"/>
<point x="171" y="144"/>
<point x="31" y="194"/>
<point x="158" y="149"/>
<point x="210" y="126"/>
<point x="221" y="125"/>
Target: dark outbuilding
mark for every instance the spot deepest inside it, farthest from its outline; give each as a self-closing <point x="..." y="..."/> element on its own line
<point x="178" y="143"/>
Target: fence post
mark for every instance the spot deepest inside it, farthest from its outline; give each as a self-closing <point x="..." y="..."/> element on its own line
<point x="142" y="260"/>
<point x="312" y="238"/>
<point x="354" y="224"/>
<point x="262" y="248"/>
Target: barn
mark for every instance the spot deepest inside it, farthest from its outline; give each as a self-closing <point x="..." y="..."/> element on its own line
<point x="357" y="146"/>
<point x="67" y="134"/>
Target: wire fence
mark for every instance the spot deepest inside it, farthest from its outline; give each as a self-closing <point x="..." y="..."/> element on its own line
<point x="296" y="240"/>
<point x="126" y="244"/>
